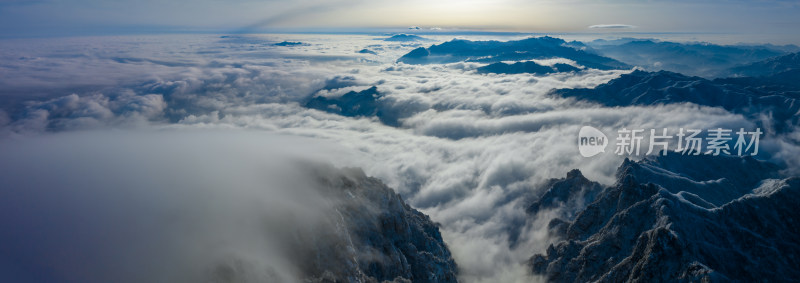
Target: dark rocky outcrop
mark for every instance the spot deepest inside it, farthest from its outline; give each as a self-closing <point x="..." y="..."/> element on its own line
<point x="571" y="194"/>
<point x="351" y="104"/>
<point x="646" y="229"/>
<point x="375" y="236"/>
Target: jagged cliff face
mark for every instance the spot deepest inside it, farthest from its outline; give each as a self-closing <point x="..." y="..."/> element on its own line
<point x="374" y="236"/>
<point x="178" y="214"/>
<point x="680" y="219"/>
<point x="364" y="232"/>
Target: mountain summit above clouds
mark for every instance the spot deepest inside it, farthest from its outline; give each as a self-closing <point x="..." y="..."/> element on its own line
<point x="690" y="58"/>
<point x="375" y="237"/>
<point x="544" y="47"/>
<point x="402" y="37"/>
<point x="735" y="95"/>
<point x="679" y="218"/>
<point x="769" y="67"/>
<point x="526" y="67"/>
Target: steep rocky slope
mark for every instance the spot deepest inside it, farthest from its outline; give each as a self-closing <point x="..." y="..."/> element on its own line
<point x="375" y="236"/>
<point x="653" y="225"/>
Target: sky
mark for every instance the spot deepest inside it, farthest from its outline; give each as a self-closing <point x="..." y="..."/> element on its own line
<point x="25" y="18"/>
<point x="198" y="112"/>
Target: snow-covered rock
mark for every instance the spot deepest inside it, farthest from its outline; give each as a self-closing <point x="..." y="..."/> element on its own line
<point x="375" y="236"/>
<point x="646" y="88"/>
<point x="648" y="228"/>
<point x="769" y="66"/>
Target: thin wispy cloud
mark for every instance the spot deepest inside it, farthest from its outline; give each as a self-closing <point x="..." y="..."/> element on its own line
<point x="20" y="18"/>
<point x="612" y="26"/>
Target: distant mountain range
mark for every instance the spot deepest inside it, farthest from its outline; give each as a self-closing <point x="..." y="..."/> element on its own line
<point x="770" y="67"/>
<point x="546" y="47"/>
<point x="406" y="38"/>
<point x="694" y="59"/>
<point x="735" y="95"/>
<point x="676" y="218"/>
<point x="529" y="67"/>
<point x="772" y="86"/>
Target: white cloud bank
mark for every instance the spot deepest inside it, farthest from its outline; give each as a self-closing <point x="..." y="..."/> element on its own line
<point x="612" y="26"/>
<point x="156" y="206"/>
<point x="469" y="149"/>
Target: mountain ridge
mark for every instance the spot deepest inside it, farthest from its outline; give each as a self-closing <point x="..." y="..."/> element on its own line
<point x="544" y="47"/>
<point x="637" y="230"/>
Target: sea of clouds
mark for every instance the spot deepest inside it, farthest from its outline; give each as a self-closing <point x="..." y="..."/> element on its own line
<point x="470" y="149"/>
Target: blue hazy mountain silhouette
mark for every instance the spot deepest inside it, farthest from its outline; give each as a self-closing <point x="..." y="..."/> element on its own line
<point x="367" y="51"/>
<point x="695" y="59"/>
<point x="290" y="43"/>
<point x="735" y="95"/>
<point x="654" y="224"/>
<point x="405" y="38"/>
<point x="546" y="47"/>
<point x="779" y="74"/>
<point x="526" y="67"/>
<point x="769" y="67"/>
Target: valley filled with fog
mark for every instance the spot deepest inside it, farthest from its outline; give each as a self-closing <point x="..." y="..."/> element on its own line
<point x="207" y="140"/>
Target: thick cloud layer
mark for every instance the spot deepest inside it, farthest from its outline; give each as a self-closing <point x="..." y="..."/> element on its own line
<point x="469" y="149"/>
<point x="156" y="206"/>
